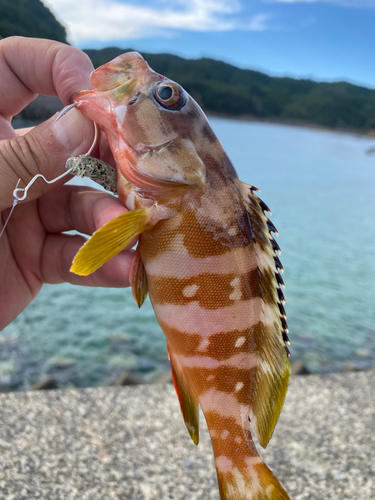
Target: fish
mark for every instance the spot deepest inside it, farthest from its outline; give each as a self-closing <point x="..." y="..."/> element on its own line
<point x="208" y="259"/>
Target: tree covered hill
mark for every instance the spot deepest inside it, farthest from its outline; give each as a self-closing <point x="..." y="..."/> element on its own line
<point x="219" y="87"/>
<point x="227" y="90"/>
<point x="29" y="18"/>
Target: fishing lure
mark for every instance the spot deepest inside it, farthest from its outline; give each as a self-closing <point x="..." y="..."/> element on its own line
<point x="97" y="170"/>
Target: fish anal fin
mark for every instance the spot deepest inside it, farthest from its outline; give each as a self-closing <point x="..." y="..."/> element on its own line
<point x="110" y="239"/>
<point x="138" y="279"/>
<point x="188" y="400"/>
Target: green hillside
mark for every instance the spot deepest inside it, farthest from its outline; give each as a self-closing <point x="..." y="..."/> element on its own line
<point x="29" y="18"/>
<point x="227" y="90"/>
<point x="221" y="88"/>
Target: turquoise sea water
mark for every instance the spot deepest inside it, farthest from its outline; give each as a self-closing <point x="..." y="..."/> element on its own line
<point x="321" y="188"/>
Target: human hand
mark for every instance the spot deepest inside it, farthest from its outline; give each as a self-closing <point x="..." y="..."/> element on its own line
<point x="33" y="248"/>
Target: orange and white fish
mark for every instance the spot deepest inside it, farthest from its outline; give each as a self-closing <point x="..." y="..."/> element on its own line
<point x="207" y="258"/>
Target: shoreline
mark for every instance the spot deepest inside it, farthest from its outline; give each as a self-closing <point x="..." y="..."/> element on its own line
<point x="43" y="107"/>
<point x="55" y="379"/>
<point x="293" y="123"/>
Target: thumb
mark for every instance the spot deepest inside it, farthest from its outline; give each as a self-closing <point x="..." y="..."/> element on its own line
<point x="42" y="150"/>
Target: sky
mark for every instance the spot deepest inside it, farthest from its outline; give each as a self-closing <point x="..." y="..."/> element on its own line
<point x="326" y="40"/>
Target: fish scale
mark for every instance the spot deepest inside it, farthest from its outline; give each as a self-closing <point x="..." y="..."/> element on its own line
<point x="206" y="256"/>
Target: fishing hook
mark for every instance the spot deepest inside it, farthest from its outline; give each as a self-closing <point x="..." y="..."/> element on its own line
<point x="66" y="110"/>
<point x="17" y="196"/>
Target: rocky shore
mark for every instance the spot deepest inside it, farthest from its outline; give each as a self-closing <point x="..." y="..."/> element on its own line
<point x="130" y="443"/>
<point x="20" y="371"/>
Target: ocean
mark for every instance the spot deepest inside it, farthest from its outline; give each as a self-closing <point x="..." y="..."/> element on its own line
<point x="320" y="186"/>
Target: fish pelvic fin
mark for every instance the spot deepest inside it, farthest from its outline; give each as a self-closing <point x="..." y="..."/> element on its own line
<point x="138" y="279"/>
<point x="273" y="370"/>
<point x="255" y="482"/>
<point x="111" y="239"/>
<point x="187" y="398"/>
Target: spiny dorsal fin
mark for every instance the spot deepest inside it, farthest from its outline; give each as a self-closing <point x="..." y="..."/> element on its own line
<point x="271" y="381"/>
<point x="138" y="279"/>
<point x="187" y="398"/>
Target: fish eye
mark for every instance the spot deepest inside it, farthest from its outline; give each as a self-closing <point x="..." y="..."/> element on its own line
<point x="170" y="95"/>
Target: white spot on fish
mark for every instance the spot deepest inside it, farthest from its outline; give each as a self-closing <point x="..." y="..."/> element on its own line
<point x="237" y="293"/>
<point x="204" y="344"/>
<point x="224" y="434"/>
<point x="232" y="231"/>
<point x="177" y="244"/>
<point x="240" y="341"/>
<point x="210" y="377"/>
<point x="223" y="463"/>
<point x="238" y="387"/>
<point x="190" y="290"/>
<point x="238" y="440"/>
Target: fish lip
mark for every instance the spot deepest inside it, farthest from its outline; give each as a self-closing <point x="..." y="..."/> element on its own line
<point x="74" y="95"/>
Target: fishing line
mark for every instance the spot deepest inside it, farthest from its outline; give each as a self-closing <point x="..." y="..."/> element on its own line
<point x="20" y="194"/>
<point x="17" y="197"/>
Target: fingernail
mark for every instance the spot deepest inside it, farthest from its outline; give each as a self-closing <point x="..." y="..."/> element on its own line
<point x="72" y="129"/>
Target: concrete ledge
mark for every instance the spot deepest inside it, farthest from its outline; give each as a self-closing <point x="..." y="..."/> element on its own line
<point x="130" y="443"/>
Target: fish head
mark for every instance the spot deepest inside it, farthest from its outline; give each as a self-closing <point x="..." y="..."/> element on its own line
<point x="152" y="124"/>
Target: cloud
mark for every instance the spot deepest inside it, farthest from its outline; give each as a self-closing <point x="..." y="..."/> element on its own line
<point x="259" y="22"/>
<point x="366" y="4"/>
<point x="103" y="20"/>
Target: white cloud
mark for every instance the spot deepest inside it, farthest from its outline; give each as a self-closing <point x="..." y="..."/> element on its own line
<point x="370" y="4"/>
<point x="259" y="22"/>
<point x="104" y="20"/>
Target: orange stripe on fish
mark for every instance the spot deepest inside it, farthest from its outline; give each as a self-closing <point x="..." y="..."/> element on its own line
<point x="207" y="257"/>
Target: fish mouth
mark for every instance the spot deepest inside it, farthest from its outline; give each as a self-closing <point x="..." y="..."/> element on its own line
<point x="155" y="184"/>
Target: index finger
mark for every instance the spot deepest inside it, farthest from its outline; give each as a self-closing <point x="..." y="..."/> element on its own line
<point x="31" y="66"/>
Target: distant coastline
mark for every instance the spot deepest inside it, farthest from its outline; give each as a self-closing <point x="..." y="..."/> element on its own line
<point x="293" y="123"/>
<point x="43" y="107"/>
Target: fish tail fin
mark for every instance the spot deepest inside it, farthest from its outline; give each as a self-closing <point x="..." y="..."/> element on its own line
<point x="250" y="479"/>
<point x="241" y="472"/>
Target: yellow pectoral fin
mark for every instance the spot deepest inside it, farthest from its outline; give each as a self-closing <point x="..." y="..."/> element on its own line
<point x="109" y="240"/>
